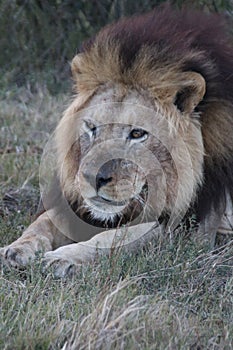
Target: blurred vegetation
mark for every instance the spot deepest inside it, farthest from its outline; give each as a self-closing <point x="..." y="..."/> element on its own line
<point x="39" y="37"/>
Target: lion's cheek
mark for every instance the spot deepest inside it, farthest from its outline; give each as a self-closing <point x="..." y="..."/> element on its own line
<point x="83" y="187"/>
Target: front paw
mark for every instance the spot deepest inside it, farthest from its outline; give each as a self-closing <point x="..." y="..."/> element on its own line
<point x="17" y="255"/>
<point x="60" y="266"/>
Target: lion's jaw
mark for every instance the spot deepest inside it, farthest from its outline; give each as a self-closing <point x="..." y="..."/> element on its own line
<point x="110" y="172"/>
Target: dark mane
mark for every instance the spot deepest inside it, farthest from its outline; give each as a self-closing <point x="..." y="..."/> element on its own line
<point x="176" y="33"/>
<point x="173" y="36"/>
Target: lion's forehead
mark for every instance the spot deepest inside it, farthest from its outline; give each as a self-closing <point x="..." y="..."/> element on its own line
<point x="112" y="107"/>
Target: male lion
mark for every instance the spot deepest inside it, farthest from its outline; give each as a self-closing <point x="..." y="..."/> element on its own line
<point x="147" y="140"/>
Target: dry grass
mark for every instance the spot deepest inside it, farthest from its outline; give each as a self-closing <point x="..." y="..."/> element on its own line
<point x="173" y="296"/>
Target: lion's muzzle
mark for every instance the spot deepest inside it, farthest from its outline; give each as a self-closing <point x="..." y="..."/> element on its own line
<point x="117" y="181"/>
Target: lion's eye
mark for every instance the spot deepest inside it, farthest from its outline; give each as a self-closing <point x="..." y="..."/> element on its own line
<point x="138" y="134"/>
<point x="90" y="127"/>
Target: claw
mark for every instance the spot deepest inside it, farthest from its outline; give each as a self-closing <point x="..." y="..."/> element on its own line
<point x="60" y="268"/>
<point x="15" y="257"/>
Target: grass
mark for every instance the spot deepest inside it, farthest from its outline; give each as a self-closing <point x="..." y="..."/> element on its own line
<point x="176" y="295"/>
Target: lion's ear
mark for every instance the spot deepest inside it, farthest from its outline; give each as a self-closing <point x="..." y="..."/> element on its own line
<point x="76" y="65"/>
<point x="191" y="92"/>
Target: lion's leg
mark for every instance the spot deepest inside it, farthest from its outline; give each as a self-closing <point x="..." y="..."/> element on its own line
<point x="208" y="229"/>
<point x="225" y="228"/>
<point x="66" y="259"/>
<point x="220" y="220"/>
<point x="41" y="235"/>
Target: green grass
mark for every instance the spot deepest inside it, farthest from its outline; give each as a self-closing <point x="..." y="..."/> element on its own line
<point x="176" y="295"/>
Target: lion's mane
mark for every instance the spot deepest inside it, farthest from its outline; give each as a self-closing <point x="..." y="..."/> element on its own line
<point x="150" y="51"/>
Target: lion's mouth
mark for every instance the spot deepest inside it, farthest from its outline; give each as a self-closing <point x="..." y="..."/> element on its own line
<point x="105" y="212"/>
<point x="104" y="208"/>
<point x="102" y="200"/>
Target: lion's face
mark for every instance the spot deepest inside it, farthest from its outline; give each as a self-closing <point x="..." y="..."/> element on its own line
<point x="127" y="153"/>
<point x="110" y="183"/>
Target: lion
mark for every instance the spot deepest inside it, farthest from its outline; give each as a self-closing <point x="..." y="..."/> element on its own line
<point x="147" y="141"/>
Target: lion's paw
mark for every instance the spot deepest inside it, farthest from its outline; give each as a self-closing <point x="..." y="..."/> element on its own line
<point x="61" y="267"/>
<point x="17" y="255"/>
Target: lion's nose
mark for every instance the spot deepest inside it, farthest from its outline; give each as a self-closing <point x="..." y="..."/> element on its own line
<point x="107" y="172"/>
<point x="102" y="180"/>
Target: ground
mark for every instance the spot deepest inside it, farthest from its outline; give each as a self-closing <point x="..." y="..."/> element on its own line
<point x="173" y="295"/>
